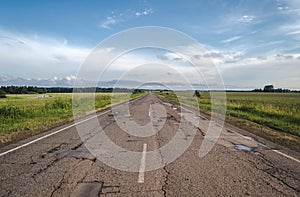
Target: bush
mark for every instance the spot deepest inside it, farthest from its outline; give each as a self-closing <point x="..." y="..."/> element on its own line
<point x="59" y="104"/>
<point x="197" y="94"/>
<point x="11" y="112"/>
<point x="2" y="94"/>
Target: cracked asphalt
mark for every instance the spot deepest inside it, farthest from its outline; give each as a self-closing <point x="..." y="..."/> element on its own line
<point x="61" y="165"/>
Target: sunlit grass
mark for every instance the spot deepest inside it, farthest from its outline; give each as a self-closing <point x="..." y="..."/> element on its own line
<point x="279" y="111"/>
<point x="32" y="114"/>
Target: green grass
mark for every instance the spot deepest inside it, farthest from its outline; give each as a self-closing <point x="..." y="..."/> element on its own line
<point x="278" y="111"/>
<point x="24" y="115"/>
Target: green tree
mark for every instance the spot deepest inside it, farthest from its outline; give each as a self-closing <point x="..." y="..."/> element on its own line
<point x="269" y="88"/>
<point x="2" y="94"/>
<point x="197" y="94"/>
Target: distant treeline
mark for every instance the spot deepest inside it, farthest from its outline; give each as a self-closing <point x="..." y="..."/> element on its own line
<point x="270" y="88"/>
<point x="275" y="90"/>
<point x="43" y="90"/>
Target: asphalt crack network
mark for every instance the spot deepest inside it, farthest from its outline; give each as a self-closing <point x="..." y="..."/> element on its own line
<point x="269" y="170"/>
<point x="63" y="179"/>
<point x="52" y="162"/>
<point x="56" y="148"/>
<point x="171" y="118"/>
<point x="166" y="179"/>
<point x="201" y="132"/>
<point x="167" y="173"/>
<point x="60" y="182"/>
<point x="281" y="171"/>
<point x="92" y="134"/>
<point x="49" y="164"/>
<point x="59" y="169"/>
<point x="76" y="147"/>
<point x="112" y="189"/>
<point x="45" y="168"/>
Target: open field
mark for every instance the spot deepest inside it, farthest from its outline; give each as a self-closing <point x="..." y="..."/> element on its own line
<point x="27" y="114"/>
<point x="275" y="111"/>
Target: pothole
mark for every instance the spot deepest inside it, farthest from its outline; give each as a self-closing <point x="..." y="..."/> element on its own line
<point x="243" y="148"/>
<point x="78" y="154"/>
<point x="87" y="189"/>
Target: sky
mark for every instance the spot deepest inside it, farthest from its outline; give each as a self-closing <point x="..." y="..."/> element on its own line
<point x="252" y="42"/>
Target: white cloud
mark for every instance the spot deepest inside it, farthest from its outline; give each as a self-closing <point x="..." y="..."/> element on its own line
<point x="282" y="8"/>
<point x="231" y="39"/>
<point x="70" y="78"/>
<point x="108" y="22"/>
<point x="30" y="55"/>
<point x="293" y="32"/>
<point x="283" y="72"/>
<point x="7" y="80"/>
<point x="291" y="10"/>
<point x="289" y="7"/>
<point x="222" y="57"/>
<point x="144" y="12"/>
<point x="246" y="19"/>
<point x="239" y="59"/>
<point x="237" y="68"/>
<point x="54" y="62"/>
<point x="169" y="56"/>
<point x="241" y="70"/>
<point x="291" y="28"/>
<point x="116" y="18"/>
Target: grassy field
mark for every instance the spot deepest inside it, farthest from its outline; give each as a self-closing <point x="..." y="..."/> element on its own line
<point x="277" y="111"/>
<point x="27" y="114"/>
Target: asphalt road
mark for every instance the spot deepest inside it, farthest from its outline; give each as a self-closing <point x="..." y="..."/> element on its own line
<point x="57" y="163"/>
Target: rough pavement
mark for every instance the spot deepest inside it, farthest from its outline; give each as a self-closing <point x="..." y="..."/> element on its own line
<point x="60" y="165"/>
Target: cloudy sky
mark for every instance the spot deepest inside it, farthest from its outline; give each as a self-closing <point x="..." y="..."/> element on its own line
<point x="252" y="42"/>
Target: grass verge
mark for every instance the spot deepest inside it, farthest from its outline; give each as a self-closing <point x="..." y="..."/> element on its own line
<point x="273" y="116"/>
<point x="22" y="116"/>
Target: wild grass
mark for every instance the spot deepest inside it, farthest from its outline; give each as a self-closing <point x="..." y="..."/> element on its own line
<point x="278" y="111"/>
<point x="23" y="115"/>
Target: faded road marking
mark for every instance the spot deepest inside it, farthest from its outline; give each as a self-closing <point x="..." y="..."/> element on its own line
<point x="60" y="130"/>
<point x="50" y="134"/>
<point x="249" y="138"/>
<point x="141" y="178"/>
<point x="287" y="156"/>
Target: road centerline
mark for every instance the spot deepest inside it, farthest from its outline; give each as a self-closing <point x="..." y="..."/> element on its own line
<point x="149" y="113"/>
<point x="141" y="177"/>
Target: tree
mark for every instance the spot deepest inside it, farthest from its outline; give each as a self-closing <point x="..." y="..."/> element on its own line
<point x="269" y="88"/>
<point x="2" y="94"/>
<point x="197" y="94"/>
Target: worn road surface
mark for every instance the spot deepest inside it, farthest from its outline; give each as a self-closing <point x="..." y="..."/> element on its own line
<point x="59" y="164"/>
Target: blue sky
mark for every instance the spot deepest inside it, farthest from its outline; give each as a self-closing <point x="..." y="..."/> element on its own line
<point x="254" y="42"/>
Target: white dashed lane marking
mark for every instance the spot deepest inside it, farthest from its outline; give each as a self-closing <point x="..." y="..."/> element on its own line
<point x="141" y="178"/>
